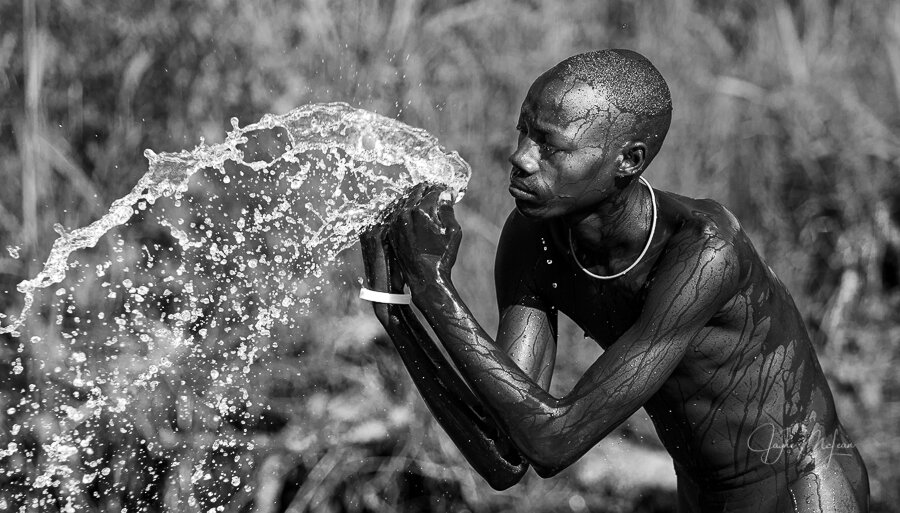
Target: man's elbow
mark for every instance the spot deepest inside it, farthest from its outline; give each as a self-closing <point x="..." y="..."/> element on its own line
<point x="546" y="463"/>
<point x="549" y="467"/>
<point x="506" y="479"/>
<point x="550" y="459"/>
<point x="551" y="446"/>
<point x="503" y="480"/>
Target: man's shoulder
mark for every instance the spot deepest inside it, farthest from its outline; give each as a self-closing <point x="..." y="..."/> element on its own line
<point x="701" y="218"/>
<point x="708" y="237"/>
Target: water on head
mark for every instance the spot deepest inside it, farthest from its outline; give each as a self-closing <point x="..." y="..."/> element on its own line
<point x="211" y="252"/>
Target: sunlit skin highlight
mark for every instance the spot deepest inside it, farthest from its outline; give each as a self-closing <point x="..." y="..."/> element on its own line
<point x="701" y="333"/>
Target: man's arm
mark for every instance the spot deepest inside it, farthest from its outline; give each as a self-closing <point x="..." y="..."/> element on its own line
<point x="528" y="323"/>
<point x="456" y="408"/>
<point x="696" y="276"/>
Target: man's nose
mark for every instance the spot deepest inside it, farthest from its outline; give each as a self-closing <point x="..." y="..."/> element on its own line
<point x="525" y="156"/>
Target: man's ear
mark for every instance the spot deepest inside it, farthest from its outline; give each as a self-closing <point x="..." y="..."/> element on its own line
<point x="632" y="159"/>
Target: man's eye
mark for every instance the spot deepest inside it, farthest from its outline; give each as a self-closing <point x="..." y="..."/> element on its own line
<point x="546" y="149"/>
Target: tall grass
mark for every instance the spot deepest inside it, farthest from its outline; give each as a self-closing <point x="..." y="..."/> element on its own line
<point x="785" y="111"/>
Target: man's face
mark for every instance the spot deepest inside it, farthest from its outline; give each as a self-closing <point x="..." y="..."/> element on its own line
<point x="566" y="158"/>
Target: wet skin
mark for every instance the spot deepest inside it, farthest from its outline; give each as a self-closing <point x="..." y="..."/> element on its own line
<point x="701" y="332"/>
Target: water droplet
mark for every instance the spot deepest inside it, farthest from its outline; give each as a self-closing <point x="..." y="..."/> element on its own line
<point x="177" y="296"/>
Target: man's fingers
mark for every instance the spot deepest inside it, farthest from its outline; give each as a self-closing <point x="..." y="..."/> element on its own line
<point x="438" y="206"/>
<point x="374" y="259"/>
<point x="394" y="272"/>
<point x="432" y="193"/>
<point x="436" y="196"/>
<point x="415" y="196"/>
<point x="370" y="236"/>
<point x="396" y="231"/>
<point x="447" y="215"/>
<point x="419" y="213"/>
<point x="418" y="194"/>
<point x="370" y="244"/>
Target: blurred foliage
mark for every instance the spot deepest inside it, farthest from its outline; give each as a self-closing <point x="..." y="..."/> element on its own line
<point x="786" y="111"/>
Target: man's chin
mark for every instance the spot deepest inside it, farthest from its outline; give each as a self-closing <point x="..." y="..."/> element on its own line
<point x="530" y="208"/>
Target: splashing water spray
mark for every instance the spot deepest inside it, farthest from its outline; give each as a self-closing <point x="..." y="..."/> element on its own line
<point x="366" y="138"/>
<point x="212" y="281"/>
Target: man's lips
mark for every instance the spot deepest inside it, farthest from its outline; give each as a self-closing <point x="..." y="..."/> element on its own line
<point x="520" y="192"/>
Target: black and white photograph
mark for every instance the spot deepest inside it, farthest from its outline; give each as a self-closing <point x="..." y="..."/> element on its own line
<point x="452" y="256"/>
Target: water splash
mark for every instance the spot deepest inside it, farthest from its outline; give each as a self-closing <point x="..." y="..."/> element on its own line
<point x="211" y="260"/>
<point x="366" y="138"/>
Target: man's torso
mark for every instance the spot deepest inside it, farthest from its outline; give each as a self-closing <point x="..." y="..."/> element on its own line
<point x="749" y="402"/>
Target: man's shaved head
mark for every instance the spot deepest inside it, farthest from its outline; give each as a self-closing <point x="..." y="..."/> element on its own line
<point x="626" y="78"/>
<point x="629" y="83"/>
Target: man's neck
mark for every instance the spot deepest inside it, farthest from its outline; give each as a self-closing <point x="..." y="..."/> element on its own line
<point x="617" y="230"/>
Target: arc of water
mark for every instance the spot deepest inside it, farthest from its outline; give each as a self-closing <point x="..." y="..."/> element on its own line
<point x="365" y="136"/>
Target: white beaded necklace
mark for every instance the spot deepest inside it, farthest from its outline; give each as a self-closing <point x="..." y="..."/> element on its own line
<point x="644" y="252"/>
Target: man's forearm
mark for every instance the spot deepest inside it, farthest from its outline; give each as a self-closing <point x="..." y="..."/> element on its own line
<point x="487" y="448"/>
<point x="519" y="404"/>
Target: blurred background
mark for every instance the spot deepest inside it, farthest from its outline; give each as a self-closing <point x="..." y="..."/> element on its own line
<point x="786" y="111"/>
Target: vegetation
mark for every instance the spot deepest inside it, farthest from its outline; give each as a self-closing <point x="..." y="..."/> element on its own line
<point x="786" y="111"/>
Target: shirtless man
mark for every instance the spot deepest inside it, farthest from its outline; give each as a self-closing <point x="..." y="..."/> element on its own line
<point x="695" y="327"/>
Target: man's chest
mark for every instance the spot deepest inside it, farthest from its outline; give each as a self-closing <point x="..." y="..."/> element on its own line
<point x="603" y="309"/>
